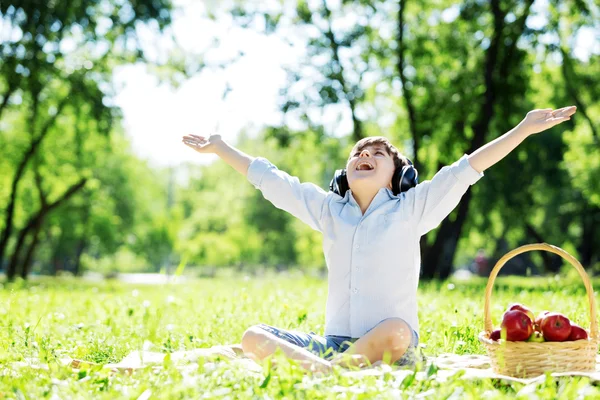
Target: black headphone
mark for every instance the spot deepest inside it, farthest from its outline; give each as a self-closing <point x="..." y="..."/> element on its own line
<point x="404" y="178"/>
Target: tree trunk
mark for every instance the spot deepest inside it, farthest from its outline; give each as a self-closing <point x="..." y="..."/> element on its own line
<point x="357" y="129"/>
<point x="31" y="250"/>
<point x="439" y="258"/>
<point x="12" y="86"/>
<point x="83" y="241"/>
<point x="438" y="261"/>
<point x="14" y="263"/>
<point x="412" y="113"/>
<point x="33" y="147"/>
<point x="54" y="259"/>
<point x="406" y="91"/>
<point x="570" y="77"/>
<point x="38" y="218"/>
<point x="77" y="262"/>
<point x="552" y="262"/>
<point x="10" y="208"/>
<point x="590" y="218"/>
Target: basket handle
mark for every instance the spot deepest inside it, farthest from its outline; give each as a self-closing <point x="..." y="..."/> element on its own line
<point x="552" y="249"/>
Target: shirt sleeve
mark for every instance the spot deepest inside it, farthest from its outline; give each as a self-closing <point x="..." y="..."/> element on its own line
<point x="305" y="201"/>
<point x="431" y="201"/>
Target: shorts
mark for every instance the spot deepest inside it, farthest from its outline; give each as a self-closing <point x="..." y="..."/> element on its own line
<point x="328" y="346"/>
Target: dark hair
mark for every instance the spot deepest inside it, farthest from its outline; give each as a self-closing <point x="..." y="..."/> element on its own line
<point x="399" y="159"/>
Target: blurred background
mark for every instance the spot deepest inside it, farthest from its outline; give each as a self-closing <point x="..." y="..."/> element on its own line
<point x="96" y="95"/>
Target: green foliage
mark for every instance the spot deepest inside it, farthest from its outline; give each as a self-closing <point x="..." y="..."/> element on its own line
<point x="453" y="57"/>
<point x="228" y="222"/>
<point x="56" y="116"/>
<point x="583" y="163"/>
<point x="471" y="71"/>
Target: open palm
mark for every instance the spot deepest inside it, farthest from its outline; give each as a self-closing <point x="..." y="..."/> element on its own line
<point x="200" y="143"/>
<point x="540" y="120"/>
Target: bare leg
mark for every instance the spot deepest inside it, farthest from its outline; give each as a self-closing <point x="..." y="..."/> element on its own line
<point x="387" y="342"/>
<point x="259" y="344"/>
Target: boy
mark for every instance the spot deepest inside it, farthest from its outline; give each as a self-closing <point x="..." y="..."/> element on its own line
<point x="370" y="242"/>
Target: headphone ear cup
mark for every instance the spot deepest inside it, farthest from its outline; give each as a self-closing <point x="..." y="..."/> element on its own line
<point x="396" y="181"/>
<point x="339" y="183"/>
<point x="404" y="178"/>
<point x="410" y="178"/>
<point x="344" y="186"/>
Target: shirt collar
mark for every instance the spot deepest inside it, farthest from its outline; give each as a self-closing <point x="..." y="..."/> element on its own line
<point x="384" y="194"/>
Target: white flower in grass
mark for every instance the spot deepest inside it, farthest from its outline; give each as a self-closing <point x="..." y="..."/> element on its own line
<point x="146" y="303"/>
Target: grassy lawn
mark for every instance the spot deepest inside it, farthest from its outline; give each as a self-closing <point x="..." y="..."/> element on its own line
<point x="103" y="322"/>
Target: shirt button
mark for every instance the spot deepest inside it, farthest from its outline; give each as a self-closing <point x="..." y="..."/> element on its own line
<point x="357" y="246"/>
<point x="355" y="290"/>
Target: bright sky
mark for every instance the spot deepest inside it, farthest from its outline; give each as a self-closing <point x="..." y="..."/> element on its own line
<point x="156" y="116"/>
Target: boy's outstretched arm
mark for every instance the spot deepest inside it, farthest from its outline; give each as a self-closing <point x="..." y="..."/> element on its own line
<point x="535" y="121"/>
<point x="431" y="201"/>
<point x="305" y="200"/>
<point x="239" y="160"/>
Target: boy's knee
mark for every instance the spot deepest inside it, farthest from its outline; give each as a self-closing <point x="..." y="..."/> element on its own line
<point x="398" y="334"/>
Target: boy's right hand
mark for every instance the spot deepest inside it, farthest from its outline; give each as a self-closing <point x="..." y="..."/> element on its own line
<point x="202" y="144"/>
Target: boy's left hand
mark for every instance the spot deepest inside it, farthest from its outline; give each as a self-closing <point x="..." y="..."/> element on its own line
<point x="540" y="120"/>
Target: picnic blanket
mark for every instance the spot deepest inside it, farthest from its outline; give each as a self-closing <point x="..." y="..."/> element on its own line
<point x="445" y="366"/>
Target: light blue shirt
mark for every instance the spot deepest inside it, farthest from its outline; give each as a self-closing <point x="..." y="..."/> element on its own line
<point x="373" y="260"/>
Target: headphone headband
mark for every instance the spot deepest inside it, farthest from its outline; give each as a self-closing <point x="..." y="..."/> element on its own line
<point x="404" y="178"/>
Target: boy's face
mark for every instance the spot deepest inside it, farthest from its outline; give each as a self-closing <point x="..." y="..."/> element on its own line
<point x="370" y="169"/>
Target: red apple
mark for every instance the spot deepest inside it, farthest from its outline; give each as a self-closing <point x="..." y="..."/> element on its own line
<point x="537" y="324"/>
<point x="521" y="307"/>
<point x="556" y="327"/>
<point x="518" y="325"/>
<point x="536" y="337"/>
<point x="495" y="335"/>
<point x="577" y="332"/>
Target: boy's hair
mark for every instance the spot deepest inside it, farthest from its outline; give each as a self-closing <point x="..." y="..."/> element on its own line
<point x="399" y="159"/>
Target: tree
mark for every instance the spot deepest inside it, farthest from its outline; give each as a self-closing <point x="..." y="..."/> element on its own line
<point x="457" y="75"/>
<point x="46" y="80"/>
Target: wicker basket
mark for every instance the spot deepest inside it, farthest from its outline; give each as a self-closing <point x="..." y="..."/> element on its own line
<point x="528" y="359"/>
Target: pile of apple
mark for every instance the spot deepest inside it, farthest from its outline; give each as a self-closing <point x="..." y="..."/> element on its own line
<point x="520" y="325"/>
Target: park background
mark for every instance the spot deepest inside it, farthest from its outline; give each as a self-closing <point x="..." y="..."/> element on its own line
<point x="96" y="95"/>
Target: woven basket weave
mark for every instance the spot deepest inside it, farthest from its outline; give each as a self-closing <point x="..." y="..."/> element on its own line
<point x="528" y="359"/>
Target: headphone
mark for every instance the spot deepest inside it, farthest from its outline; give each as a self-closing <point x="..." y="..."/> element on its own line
<point x="404" y="178"/>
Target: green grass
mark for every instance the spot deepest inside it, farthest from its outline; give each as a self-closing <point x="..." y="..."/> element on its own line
<point x="103" y="322"/>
